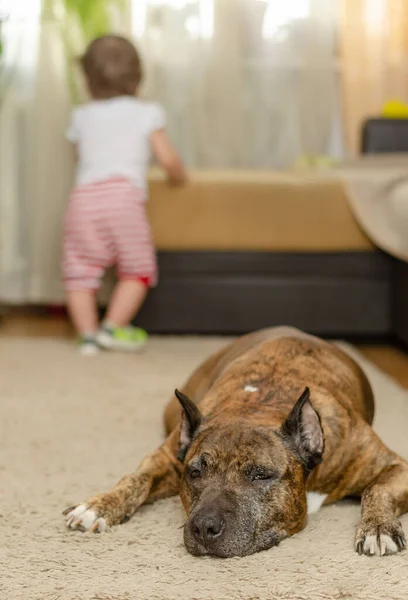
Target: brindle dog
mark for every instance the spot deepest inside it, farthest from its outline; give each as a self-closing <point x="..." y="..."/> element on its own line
<point x="274" y="420"/>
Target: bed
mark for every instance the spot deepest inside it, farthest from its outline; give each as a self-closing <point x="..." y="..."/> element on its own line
<point x="240" y="251"/>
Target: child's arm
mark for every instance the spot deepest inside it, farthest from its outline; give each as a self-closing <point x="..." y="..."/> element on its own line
<point x="167" y="157"/>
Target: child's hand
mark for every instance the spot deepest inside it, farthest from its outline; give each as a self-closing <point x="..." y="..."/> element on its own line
<point x="168" y="158"/>
<point x="181" y="179"/>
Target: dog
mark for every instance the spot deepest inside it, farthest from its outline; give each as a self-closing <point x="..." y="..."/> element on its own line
<point x="267" y="430"/>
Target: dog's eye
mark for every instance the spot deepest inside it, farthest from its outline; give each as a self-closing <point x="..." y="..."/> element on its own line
<point x="259" y="475"/>
<point x="197" y="469"/>
<point x="195" y="474"/>
<point x="262" y="476"/>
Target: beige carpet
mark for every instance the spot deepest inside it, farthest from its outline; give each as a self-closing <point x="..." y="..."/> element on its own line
<point x="70" y="427"/>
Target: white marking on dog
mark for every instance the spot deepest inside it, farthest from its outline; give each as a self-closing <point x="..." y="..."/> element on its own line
<point x="386" y="545"/>
<point x="85" y="518"/>
<point x="250" y="388"/>
<point x="314" y="501"/>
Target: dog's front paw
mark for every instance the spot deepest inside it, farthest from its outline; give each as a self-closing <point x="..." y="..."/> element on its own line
<point x="85" y="517"/>
<point x="380" y="539"/>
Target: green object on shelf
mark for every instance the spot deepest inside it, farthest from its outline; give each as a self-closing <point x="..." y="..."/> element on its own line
<point x="311" y="161"/>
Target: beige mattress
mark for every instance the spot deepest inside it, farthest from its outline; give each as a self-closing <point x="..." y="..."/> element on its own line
<point x="254" y="211"/>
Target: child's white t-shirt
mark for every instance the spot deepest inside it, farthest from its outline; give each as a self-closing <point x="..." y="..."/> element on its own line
<point x="113" y="138"/>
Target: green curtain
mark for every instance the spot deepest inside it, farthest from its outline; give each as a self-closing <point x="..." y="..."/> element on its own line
<point x="80" y="22"/>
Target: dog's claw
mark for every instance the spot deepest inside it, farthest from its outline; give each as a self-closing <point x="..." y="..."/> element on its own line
<point x="84" y="518"/>
<point x="68" y="510"/>
<point x="360" y="547"/>
<point x="401" y="542"/>
<point x="383" y="539"/>
<point x="94" y="528"/>
<point x="76" y="523"/>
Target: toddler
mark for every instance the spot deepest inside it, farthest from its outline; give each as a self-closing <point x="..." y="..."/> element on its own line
<point x="106" y="222"/>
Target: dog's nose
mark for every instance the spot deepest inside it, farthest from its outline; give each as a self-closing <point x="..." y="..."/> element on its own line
<point x="208" y="527"/>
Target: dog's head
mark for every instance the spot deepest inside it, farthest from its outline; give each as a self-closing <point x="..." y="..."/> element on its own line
<point x="244" y="483"/>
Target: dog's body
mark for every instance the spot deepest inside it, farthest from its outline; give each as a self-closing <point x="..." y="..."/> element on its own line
<point x="251" y="451"/>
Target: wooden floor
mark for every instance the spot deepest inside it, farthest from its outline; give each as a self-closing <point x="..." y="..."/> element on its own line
<point x="390" y="359"/>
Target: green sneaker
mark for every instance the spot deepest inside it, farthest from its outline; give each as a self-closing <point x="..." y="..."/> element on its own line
<point x="124" y="339"/>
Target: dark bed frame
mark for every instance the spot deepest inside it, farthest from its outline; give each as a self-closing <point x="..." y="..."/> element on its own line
<point x="344" y="293"/>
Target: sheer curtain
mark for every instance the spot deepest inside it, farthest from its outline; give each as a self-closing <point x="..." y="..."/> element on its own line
<point x="374" y="59"/>
<point x="246" y="83"/>
<point x="18" y="56"/>
<point x="36" y="162"/>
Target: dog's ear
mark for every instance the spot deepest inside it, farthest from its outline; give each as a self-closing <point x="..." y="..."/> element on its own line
<point x="304" y="431"/>
<point x="191" y="419"/>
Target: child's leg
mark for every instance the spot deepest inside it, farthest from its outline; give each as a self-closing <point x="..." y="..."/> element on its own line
<point x="136" y="265"/>
<point x="83" y="311"/>
<point x="85" y="257"/>
<point x="127" y="299"/>
<point x="116" y="333"/>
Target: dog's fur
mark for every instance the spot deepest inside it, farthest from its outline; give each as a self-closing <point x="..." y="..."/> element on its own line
<point x="253" y="441"/>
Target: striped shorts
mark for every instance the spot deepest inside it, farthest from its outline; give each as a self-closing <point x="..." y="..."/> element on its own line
<point x="105" y="225"/>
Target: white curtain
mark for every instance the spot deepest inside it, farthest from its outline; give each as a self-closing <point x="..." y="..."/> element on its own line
<point x="18" y="58"/>
<point x="246" y="84"/>
<point x="35" y="162"/>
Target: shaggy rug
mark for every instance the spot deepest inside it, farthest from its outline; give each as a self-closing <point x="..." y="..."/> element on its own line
<point x="71" y="426"/>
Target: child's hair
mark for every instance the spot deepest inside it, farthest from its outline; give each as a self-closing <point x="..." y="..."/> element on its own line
<point x="112" y="67"/>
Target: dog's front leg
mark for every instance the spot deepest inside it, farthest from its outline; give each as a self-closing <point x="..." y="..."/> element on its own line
<point x="379" y="531"/>
<point x="158" y="476"/>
